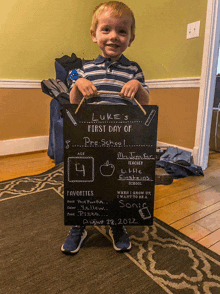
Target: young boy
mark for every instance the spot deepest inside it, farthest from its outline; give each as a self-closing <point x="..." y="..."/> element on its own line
<point x="113" y="29"/>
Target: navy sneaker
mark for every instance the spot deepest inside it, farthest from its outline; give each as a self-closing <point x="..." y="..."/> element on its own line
<point x="74" y="240"/>
<point x="120" y="238"/>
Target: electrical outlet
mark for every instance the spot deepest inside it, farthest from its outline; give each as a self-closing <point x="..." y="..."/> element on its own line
<point x="193" y="30"/>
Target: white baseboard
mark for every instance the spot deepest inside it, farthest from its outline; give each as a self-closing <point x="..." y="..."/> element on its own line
<point x="162" y="144"/>
<point x="23" y="145"/>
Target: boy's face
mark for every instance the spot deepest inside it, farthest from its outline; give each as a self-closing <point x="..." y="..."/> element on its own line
<point x="113" y="35"/>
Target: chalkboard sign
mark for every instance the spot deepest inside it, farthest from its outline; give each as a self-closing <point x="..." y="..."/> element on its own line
<point x="109" y="164"/>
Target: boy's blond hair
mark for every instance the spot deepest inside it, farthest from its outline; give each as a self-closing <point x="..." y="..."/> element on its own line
<point x="116" y="8"/>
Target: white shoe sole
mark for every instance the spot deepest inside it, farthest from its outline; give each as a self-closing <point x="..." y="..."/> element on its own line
<point x="77" y="249"/>
<point x="113" y="241"/>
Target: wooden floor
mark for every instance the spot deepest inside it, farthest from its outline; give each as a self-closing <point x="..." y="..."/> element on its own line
<point x="191" y="205"/>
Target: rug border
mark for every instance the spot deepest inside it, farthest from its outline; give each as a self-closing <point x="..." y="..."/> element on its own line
<point x="189" y="240"/>
<point x="194" y="243"/>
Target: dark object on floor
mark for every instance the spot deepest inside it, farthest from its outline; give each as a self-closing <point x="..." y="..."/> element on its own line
<point x="162" y="177"/>
<point x="159" y="152"/>
<point x="161" y="261"/>
<point x="180" y="171"/>
<point x="176" y="155"/>
<point x="177" y="163"/>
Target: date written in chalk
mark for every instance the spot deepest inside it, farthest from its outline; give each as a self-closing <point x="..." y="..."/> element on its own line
<point x="120" y="221"/>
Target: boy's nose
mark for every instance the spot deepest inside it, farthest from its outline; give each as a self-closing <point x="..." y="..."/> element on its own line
<point x="113" y="35"/>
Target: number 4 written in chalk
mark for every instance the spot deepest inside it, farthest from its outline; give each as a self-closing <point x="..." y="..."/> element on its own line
<point x="80" y="170"/>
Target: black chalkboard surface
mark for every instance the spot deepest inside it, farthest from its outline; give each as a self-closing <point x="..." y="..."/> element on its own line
<point x="109" y="164"/>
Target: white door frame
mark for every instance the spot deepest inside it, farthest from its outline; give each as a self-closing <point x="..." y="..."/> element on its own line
<point x="207" y="86"/>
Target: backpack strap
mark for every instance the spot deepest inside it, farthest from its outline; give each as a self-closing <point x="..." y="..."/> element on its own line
<point x="63" y="98"/>
<point x="53" y="87"/>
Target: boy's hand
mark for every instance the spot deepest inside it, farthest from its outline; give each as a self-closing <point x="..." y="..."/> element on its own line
<point x="130" y="89"/>
<point x="134" y="89"/>
<point x="86" y="88"/>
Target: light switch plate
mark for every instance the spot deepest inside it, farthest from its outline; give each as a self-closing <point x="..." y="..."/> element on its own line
<point x="193" y="30"/>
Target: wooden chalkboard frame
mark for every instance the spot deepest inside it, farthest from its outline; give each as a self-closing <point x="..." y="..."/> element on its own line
<point x="109" y="164"/>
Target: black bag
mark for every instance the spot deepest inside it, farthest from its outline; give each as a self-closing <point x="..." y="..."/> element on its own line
<point x="70" y="62"/>
<point x="65" y="64"/>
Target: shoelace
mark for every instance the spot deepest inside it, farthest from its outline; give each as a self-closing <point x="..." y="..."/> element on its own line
<point x="118" y="230"/>
<point x="76" y="230"/>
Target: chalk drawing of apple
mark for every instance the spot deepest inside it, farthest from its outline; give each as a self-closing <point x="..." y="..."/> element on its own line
<point x="107" y="169"/>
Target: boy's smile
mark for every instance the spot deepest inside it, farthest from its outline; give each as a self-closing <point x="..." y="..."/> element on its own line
<point x="113" y="35"/>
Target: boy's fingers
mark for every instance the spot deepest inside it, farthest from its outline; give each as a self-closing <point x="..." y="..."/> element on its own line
<point x="128" y="94"/>
<point x="87" y="88"/>
<point x="95" y="92"/>
<point x="89" y="92"/>
<point x="124" y="93"/>
<point x="132" y="95"/>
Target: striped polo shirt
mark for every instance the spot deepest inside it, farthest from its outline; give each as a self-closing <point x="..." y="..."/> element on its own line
<point x="110" y="76"/>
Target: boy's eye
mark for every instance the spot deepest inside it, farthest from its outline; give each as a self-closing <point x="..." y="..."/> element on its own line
<point x="123" y="32"/>
<point x="105" y="29"/>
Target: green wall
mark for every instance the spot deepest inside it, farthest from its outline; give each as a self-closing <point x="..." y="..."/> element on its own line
<point x="34" y="33"/>
<point x="161" y="44"/>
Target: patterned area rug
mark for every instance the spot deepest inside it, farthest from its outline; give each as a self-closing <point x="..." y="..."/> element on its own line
<point x="162" y="260"/>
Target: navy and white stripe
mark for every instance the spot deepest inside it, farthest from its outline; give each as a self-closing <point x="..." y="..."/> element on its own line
<point x="111" y="76"/>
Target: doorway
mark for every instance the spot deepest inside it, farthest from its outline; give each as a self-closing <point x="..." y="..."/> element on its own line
<point x="207" y="86"/>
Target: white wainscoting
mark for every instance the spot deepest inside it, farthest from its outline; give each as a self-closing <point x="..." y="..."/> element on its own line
<point x="174" y="83"/>
<point x="190" y="82"/>
<point x="23" y="145"/>
<point x="19" y="84"/>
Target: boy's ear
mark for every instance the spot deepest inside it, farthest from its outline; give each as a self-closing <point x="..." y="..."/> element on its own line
<point x="93" y="35"/>
<point x="131" y="40"/>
